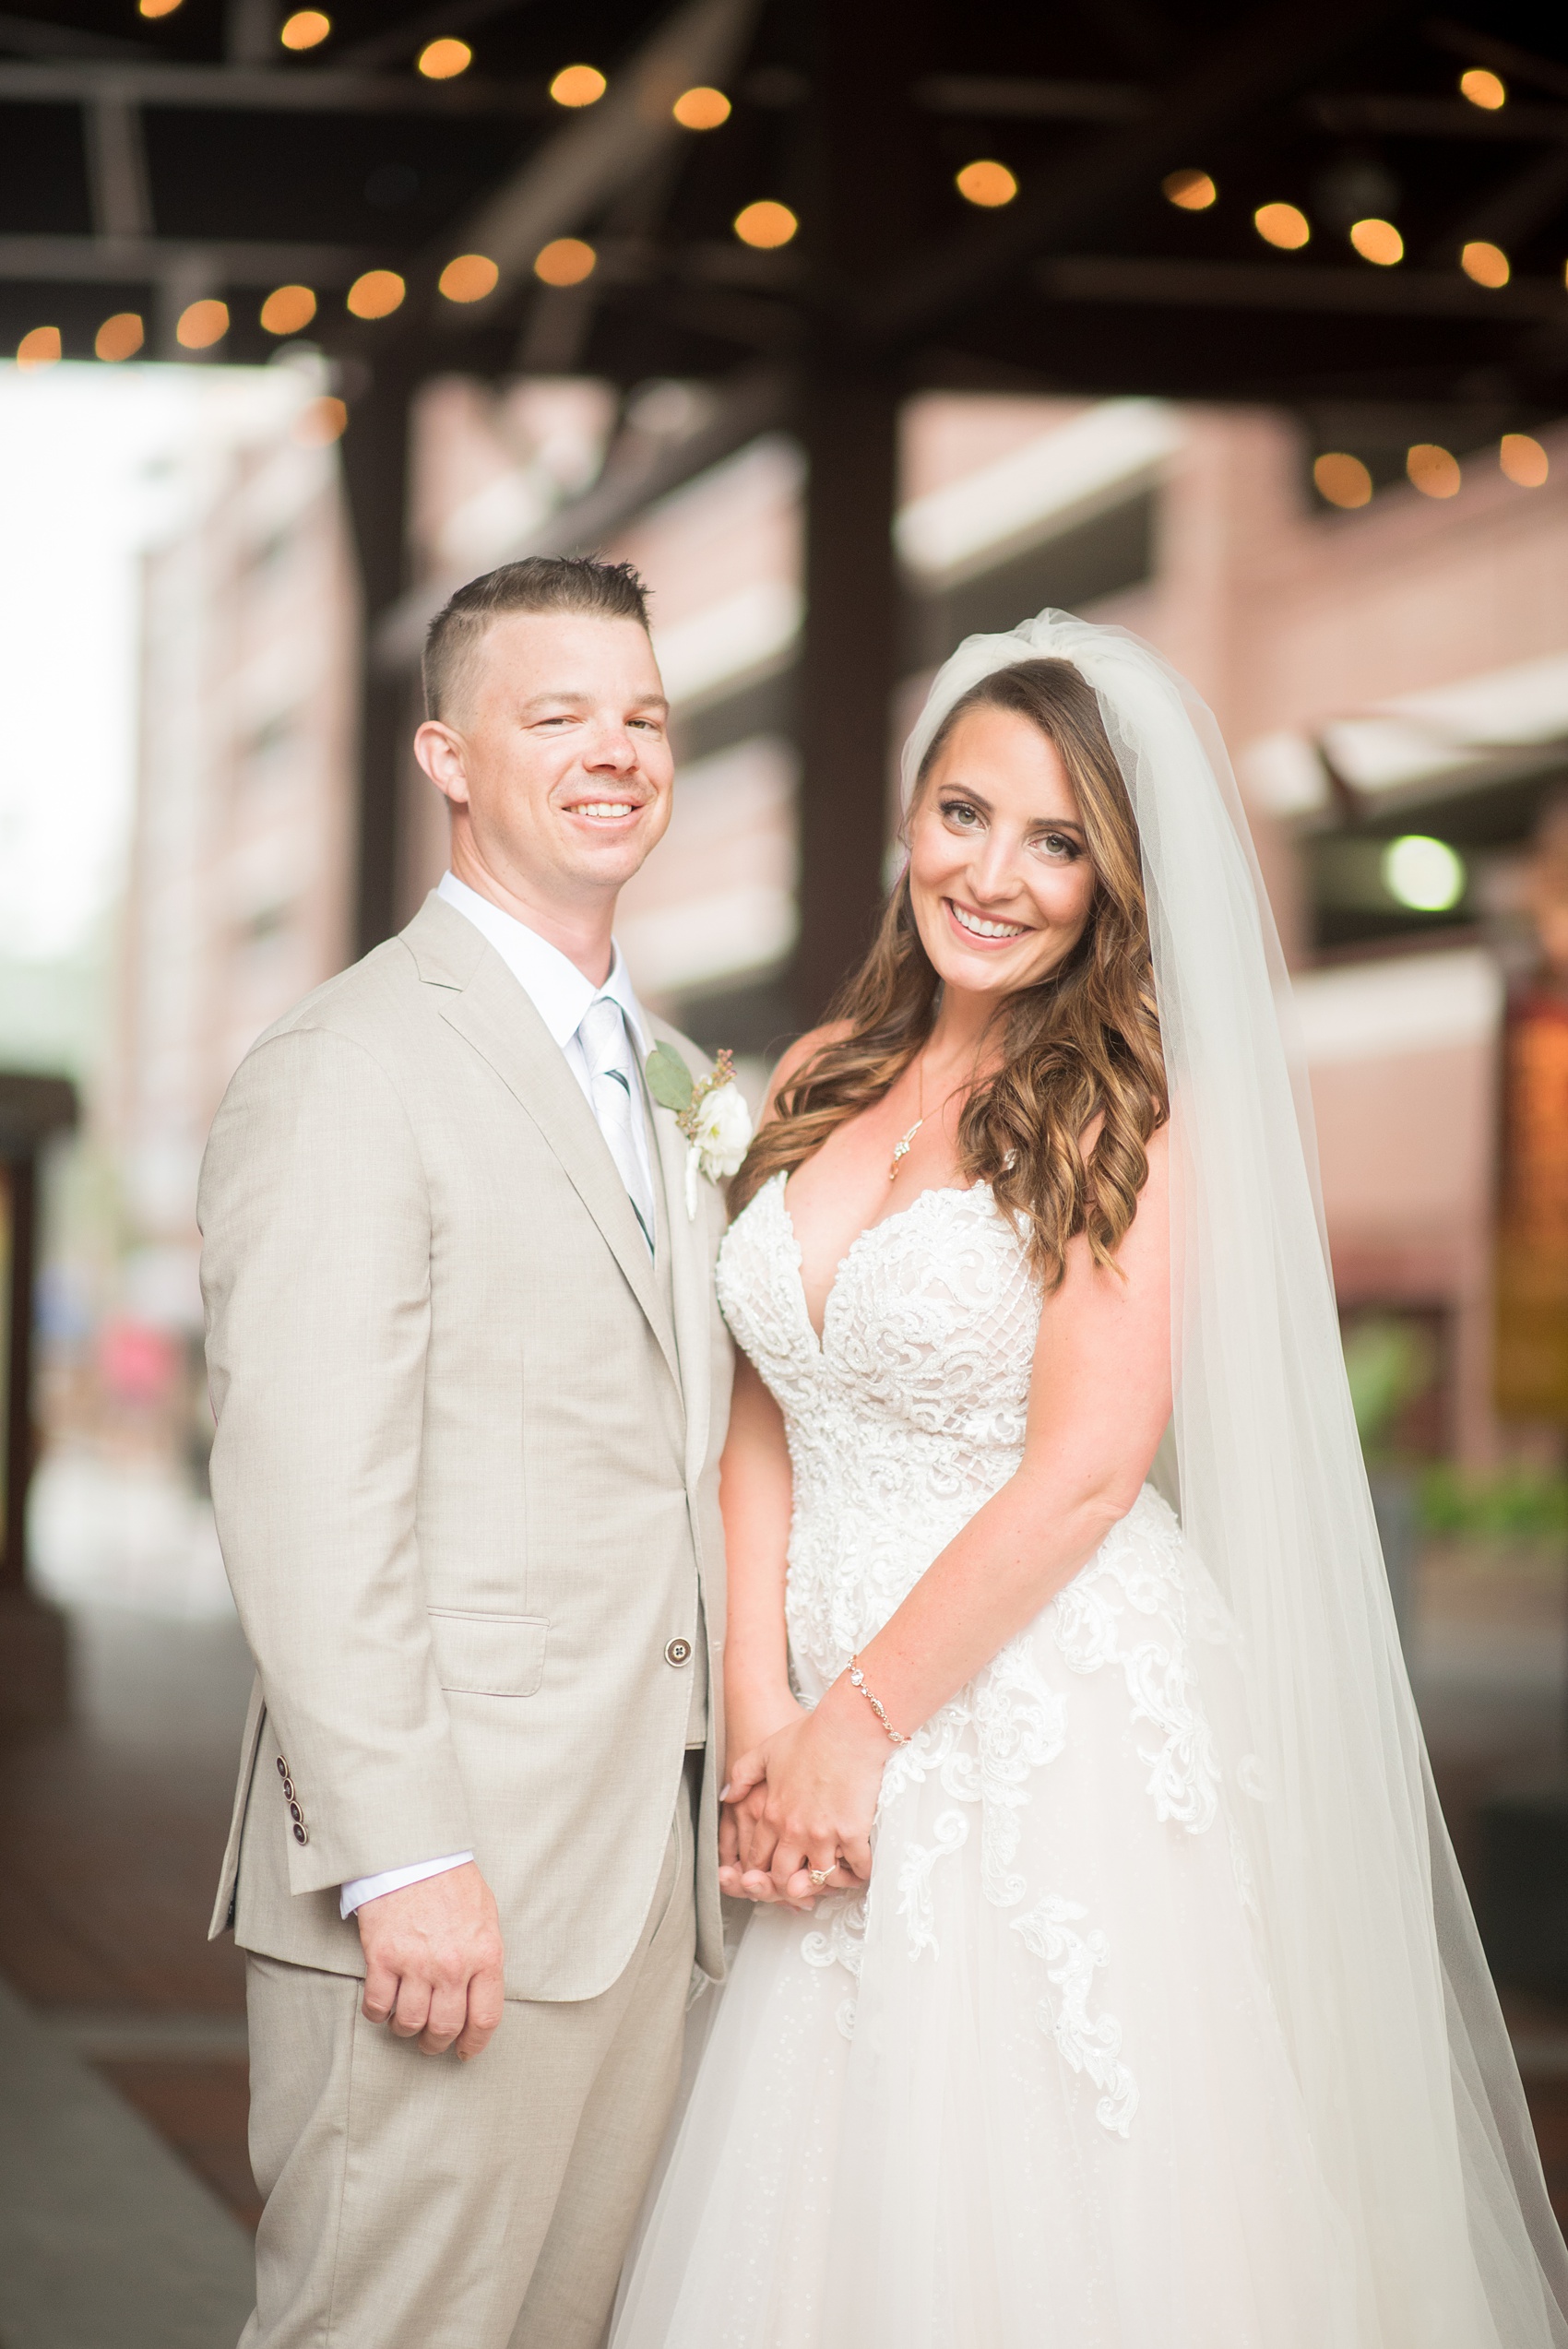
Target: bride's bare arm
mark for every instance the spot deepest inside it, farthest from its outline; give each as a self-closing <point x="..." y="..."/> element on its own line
<point x="1099" y="1402"/>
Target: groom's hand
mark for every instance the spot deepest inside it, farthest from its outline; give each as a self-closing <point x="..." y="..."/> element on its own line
<point x="433" y="1960"/>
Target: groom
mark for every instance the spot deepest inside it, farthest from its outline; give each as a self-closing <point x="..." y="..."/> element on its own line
<point x="470" y="1384"/>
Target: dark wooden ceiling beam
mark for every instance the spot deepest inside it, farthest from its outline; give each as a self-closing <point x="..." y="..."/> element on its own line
<point x="1267" y="59"/>
<point x="296" y="89"/>
<point x="129" y="260"/>
<point x="1265" y="286"/>
<point x="1353" y="113"/>
<point x="1015" y="98"/>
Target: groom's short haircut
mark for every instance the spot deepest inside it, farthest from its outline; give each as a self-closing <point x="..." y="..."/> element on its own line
<point x="568" y="583"/>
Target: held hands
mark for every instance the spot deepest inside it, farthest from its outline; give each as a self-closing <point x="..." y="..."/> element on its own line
<point x="433" y="1961"/>
<point x="803" y="1799"/>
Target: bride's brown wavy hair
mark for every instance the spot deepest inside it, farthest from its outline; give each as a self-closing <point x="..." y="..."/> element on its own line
<point x="1082" y="1044"/>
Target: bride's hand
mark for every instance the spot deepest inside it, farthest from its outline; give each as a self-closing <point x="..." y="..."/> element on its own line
<point x="749" y="1723"/>
<point x="818" y="1779"/>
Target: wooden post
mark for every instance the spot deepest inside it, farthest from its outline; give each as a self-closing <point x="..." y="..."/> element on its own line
<point x="375" y="469"/>
<point x="849" y="421"/>
<point x="33" y="1635"/>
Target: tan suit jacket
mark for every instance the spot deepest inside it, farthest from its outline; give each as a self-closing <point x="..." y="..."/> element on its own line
<point x="465" y="1473"/>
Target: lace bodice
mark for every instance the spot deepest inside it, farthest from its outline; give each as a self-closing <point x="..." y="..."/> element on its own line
<point x="907" y="1415"/>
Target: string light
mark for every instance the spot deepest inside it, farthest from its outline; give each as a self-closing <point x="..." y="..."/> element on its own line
<point x="201" y="323"/>
<point x="566" y="261"/>
<point x="307" y="29"/>
<point x="701" y="109"/>
<point x="1522" y="461"/>
<point x="765" y="225"/>
<point x="469" y="278"/>
<point x="579" y="86"/>
<point x="155" y="7"/>
<point x="1488" y="90"/>
<point x="1189" y="191"/>
<point x="1282" y="224"/>
<point x="376" y="294"/>
<point x="40" y="348"/>
<point x="1343" y="479"/>
<point x="1434" y="470"/>
<point x="120" y="336"/>
<point x="1486" y="263"/>
<point x="443" y="60"/>
<point x="288" y="310"/>
<point x="1378" y="240"/>
<point x="987" y="184"/>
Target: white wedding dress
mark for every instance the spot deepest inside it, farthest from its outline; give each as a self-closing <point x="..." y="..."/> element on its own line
<point x="1029" y="2091"/>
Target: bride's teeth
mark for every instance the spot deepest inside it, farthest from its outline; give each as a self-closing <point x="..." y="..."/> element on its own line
<point x="986" y="929"/>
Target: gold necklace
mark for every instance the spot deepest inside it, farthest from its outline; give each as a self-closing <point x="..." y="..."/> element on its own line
<point x="901" y="1147"/>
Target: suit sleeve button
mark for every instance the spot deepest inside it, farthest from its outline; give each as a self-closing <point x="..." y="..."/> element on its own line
<point x="282" y="1767"/>
<point x="299" y="1816"/>
<point x="300" y="1834"/>
<point x="678" y="1652"/>
<point x="288" y="1790"/>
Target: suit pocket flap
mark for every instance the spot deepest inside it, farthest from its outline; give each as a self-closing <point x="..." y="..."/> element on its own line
<point x="488" y="1654"/>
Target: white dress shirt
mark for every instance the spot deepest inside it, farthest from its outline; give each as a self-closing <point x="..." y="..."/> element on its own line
<point x="561" y="995"/>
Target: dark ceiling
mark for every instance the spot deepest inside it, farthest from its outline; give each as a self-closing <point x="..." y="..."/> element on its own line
<point x="141" y="160"/>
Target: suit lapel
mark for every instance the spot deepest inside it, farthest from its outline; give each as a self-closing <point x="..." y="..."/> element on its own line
<point x="690" y="1278"/>
<point x="494" y="1014"/>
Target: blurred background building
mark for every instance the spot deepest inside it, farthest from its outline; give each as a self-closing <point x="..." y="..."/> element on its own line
<point x="855" y="333"/>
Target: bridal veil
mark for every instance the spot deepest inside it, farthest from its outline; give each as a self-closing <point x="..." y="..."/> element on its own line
<point x="1403" y="2064"/>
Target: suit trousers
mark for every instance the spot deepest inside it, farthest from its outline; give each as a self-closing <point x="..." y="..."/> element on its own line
<point x="417" y="2202"/>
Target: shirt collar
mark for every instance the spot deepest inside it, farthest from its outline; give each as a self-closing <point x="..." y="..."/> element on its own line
<point x="552" y="981"/>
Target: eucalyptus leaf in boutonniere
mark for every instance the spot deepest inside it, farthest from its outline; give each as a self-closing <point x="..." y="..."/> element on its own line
<point x="710" y="1111"/>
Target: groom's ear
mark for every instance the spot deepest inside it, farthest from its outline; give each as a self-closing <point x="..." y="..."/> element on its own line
<point x="439" y="750"/>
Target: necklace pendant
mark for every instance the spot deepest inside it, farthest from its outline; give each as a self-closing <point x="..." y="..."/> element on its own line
<point x="901" y="1149"/>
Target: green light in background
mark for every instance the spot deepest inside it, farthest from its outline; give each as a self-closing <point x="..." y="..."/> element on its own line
<point x="1425" y="874"/>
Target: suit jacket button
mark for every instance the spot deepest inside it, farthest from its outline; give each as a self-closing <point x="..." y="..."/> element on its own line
<point x="288" y="1790"/>
<point x="282" y="1767"/>
<point x="298" y="1814"/>
<point x="678" y="1652"/>
<point x="300" y="1834"/>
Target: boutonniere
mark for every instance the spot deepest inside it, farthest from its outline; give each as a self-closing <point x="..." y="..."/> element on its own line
<point x="711" y="1113"/>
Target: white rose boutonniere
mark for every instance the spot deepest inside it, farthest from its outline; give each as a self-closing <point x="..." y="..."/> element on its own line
<point x="712" y="1115"/>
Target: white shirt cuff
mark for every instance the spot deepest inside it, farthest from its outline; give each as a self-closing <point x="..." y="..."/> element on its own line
<point x="369" y="1888"/>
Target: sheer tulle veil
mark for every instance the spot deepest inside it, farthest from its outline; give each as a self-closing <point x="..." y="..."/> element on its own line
<point x="1377" y="1970"/>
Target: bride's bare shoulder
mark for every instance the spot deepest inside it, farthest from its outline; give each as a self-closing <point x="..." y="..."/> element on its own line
<point x="799" y="1052"/>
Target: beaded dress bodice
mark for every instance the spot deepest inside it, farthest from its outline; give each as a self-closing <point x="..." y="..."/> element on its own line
<point x="904" y="1417"/>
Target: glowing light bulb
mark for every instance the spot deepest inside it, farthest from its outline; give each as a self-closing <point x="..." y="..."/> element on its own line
<point x="701" y="109"/>
<point x="1434" y="470"/>
<point x="1487" y="264"/>
<point x="1189" y="191"/>
<point x="987" y="184"/>
<point x="120" y="336"/>
<point x="40" y="348"/>
<point x="442" y="60"/>
<point x="1343" y="479"/>
<point x="1425" y="874"/>
<point x="765" y="225"/>
<point x="565" y="261"/>
<point x="1483" y="88"/>
<point x="376" y="294"/>
<point x="469" y="278"/>
<point x="1378" y="240"/>
<point x="1282" y="224"/>
<point x="1522" y="461"/>
<point x="579" y="86"/>
<point x="201" y="323"/>
<point x="288" y="310"/>
<point x="307" y="29"/>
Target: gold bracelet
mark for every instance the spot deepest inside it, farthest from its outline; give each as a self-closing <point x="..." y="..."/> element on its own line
<point x="858" y="1681"/>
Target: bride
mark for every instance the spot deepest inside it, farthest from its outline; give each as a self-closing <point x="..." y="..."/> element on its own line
<point x="1139" y="2006"/>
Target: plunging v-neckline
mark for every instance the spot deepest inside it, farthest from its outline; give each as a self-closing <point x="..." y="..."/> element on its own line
<point x="931" y="1191"/>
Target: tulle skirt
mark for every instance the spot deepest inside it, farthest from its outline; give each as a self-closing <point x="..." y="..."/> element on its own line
<point x="1029" y="2090"/>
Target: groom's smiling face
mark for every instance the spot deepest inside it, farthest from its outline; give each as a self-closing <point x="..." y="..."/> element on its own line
<point x="556" y="753"/>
